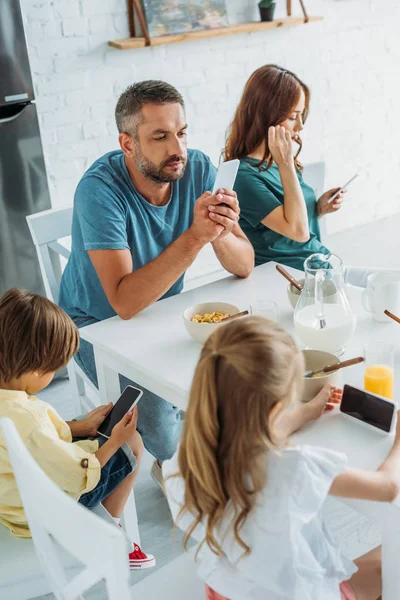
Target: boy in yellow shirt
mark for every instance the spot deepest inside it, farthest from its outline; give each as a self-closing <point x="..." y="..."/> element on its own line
<point x="36" y="339"/>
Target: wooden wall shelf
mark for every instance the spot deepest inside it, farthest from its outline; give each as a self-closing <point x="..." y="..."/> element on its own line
<point x="140" y="42"/>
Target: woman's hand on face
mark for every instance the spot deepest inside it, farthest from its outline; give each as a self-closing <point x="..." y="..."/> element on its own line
<point x="325" y="207"/>
<point x="280" y="145"/>
<point x="325" y="401"/>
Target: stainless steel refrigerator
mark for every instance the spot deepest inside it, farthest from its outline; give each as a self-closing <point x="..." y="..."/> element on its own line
<point x="23" y="181"/>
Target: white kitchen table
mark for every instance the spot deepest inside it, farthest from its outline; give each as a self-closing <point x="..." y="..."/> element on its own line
<point x="154" y="350"/>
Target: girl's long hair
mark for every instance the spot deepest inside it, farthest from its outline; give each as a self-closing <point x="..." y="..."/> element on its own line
<point x="246" y="367"/>
<point x="269" y="97"/>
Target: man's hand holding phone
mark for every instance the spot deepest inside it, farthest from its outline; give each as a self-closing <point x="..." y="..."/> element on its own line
<point x="215" y="215"/>
<point x="224" y="210"/>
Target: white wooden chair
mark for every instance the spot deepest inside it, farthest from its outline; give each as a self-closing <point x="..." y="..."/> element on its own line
<point x="72" y="548"/>
<point x="314" y="175"/>
<point x="97" y="550"/>
<point x="47" y="228"/>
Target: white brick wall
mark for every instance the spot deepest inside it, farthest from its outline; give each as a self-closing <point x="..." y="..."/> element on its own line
<point x="350" y="60"/>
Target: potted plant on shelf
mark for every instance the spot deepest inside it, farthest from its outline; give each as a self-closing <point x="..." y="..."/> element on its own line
<point x="267" y="9"/>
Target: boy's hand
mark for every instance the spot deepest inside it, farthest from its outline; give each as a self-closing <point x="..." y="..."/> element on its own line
<point x="94" y="419"/>
<point x="126" y="428"/>
<point x="326" y="400"/>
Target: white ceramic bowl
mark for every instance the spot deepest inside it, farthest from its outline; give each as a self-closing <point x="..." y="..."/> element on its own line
<point x="293" y="293"/>
<point x="314" y="361"/>
<point x="200" y="331"/>
<point x="330" y="296"/>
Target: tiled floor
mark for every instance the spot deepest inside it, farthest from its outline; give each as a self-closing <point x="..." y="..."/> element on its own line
<point x="374" y="245"/>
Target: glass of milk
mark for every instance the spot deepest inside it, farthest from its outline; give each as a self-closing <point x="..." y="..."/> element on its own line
<point x="324" y="325"/>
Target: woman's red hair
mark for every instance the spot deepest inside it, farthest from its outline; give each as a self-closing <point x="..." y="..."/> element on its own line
<point x="269" y="97"/>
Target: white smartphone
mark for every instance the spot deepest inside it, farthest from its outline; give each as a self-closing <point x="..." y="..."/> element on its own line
<point x="226" y="175"/>
<point x="343" y="188"/>
<point x="127" y="400"/>
<point x="368" y="409"/>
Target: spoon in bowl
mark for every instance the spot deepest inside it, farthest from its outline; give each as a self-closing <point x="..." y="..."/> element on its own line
<point x="289" y="277"/>
<point x="236" y="316"/>
<point x="334" y="367"/>
<point x="392" y="316"/>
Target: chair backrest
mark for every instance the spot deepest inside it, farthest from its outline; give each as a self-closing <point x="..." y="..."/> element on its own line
<point x="314" y="175"/>
<point x="47" y="227"/>
<point x="55" y="518"/>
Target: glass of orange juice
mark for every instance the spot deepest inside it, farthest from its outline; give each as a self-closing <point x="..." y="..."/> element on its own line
<point x="379" y="369"/>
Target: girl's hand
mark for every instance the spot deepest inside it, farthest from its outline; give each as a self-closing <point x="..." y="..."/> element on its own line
<point x="326" y="400"/>
<point x="94" y="419"/>
<point x="280" y="145"/>
<point x="325" y="207"/>
<point x="125" y="428"/>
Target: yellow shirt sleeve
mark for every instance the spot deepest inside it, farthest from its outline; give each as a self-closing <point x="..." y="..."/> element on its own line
<point x="70" y="466"/>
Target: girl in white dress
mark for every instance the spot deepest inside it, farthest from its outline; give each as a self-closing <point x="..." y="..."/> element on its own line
<point x="254" y="500"/>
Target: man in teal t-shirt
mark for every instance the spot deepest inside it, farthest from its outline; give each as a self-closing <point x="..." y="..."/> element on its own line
<point x="260" y="192"/>
<point x="141" y="215"/>
<point x="111" y="214"/>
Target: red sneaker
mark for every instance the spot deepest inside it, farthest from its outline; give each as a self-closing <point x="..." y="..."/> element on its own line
<point x="139" y="560"/>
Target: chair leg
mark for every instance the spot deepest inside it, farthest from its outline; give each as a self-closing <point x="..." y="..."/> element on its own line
<point x="117" y="589"/>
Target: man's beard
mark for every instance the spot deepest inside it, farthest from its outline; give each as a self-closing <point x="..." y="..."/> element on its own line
<point x="155" y="173"/>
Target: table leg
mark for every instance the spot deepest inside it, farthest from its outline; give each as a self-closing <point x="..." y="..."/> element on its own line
<point x="107" y="377"/>
<point x="109" y="390"/>
<point x="129" y="519"/>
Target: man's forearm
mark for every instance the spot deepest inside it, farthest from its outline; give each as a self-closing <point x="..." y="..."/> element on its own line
<point x="148" y="284"/>
<point x="235" y="253"/>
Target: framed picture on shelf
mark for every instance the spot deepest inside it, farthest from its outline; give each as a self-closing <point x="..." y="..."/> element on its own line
<point x="166" y="17"/>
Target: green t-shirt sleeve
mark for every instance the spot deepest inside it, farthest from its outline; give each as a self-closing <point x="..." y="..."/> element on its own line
<point x="255" y="199"/>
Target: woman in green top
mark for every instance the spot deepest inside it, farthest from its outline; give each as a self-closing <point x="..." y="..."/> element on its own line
<point x="279" y="212"/>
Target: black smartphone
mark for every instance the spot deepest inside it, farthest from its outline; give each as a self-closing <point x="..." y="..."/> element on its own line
<point x="127" y="400"/>
<point x="369" y="409"/>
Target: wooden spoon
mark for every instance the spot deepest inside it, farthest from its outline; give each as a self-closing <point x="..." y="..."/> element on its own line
<point x="335" y="367"/>
<point x="289" y="277"/>
<point x="392" y="316"/>
<point x="236" y="316"/>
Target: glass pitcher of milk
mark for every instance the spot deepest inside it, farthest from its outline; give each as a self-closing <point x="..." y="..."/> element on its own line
<point x="323" y="318"/>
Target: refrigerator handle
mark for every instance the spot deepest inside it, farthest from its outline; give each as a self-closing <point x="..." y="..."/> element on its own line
<point x="14" y="116"/>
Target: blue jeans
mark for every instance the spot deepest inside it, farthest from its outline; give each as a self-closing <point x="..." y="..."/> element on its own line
<point x="159" y="422"/>
<point x="113" y="473"/>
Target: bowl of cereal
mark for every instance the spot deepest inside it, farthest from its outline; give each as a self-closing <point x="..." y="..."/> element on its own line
<point x="201" y="320"/>
<point x="314" y="360"/>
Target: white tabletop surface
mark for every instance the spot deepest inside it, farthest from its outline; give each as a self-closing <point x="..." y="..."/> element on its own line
<point x="158" y="348"/>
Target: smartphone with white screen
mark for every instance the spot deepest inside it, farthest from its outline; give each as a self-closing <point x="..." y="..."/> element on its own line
<point x="343" y="188"/>
<point x="226" y="175"/>
<point x="368" y="409"/>
<point x="128" y="400"/>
